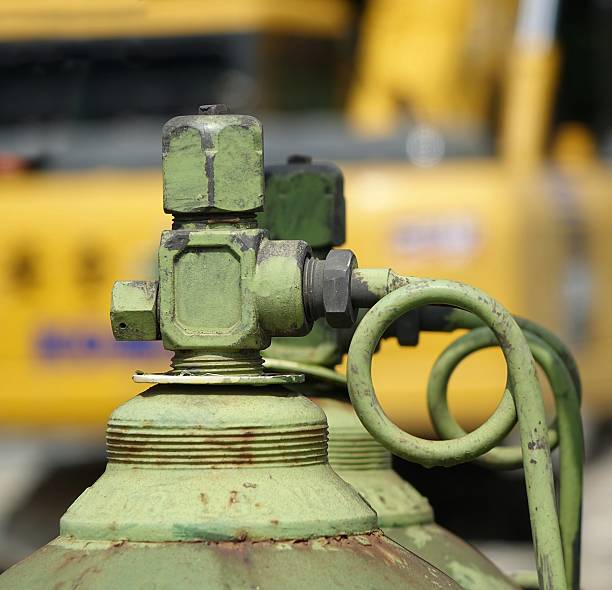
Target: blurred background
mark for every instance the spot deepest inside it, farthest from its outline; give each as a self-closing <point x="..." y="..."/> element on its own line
<point x="475" y="138"/>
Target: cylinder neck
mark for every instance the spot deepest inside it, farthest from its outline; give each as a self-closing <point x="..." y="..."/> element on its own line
<point x="350" y="445"/>
<point x="157" y="443"/>
<point x="366" y="465"/>
<point x="353" y="450"/>
<point x="239" y="462"/>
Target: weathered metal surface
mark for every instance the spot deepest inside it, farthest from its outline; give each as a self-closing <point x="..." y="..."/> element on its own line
<point x="205" y="289"/>
<point x="221" y="469"/>
<point x="366" y="465"/>
<point x="223" y="285"/>
<point x="566" y="430"/>
<point x="227" y="463"/>
<point x="403" y="513"/>
<point x="305" y="201"/>
<point x="459" y="560"/>
<point x="362" y="562"/>
<point x="278" y="287"/>
<point x="353" y="453"/>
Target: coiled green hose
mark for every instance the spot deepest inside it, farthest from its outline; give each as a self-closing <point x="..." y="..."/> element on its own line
<point x="568" y="423"/>
<point x="522" y="385"/>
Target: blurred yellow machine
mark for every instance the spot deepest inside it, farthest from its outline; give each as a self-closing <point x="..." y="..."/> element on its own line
<point x="534" y="231"/>
<point x="536" y="234"/>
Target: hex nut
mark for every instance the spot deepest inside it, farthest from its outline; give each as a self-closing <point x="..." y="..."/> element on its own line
<point x="337" y="273"/>
<point x="134" y="310"/>
<point x="212" y="163"/>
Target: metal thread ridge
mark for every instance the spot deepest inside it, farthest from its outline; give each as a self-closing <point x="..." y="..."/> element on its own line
<point x="216" y="449"/>
<point x="352" y="448"/>
<point x="189" y="362"/>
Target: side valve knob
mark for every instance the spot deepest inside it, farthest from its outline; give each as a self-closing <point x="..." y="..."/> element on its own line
<point x="134" y="314"/>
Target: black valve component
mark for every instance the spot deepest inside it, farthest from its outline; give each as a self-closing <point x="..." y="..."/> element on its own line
<point x="327" y="288"/>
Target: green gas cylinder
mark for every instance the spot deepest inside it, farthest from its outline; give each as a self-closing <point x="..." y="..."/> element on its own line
<point x="217" y="475"/>
<point x="305" y="200"/>
<point x="403" y="513"/>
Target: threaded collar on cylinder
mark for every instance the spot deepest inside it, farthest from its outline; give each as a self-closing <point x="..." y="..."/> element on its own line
<point x="350" y="449"/>
<point x="180" y="427"/>
<point x="366" y="465"/>
<point x="350" y="445"/>
<point x="184" y="447"/>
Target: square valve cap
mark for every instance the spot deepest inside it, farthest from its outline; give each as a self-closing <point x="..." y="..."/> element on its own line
<point x="305" y="201"/>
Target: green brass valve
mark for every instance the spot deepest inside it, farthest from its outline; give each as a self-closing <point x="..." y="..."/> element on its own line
<point x="212" y="165"/>
<point x="224" y="287"/>
<point x="306" y="199"/>
<point x="556" y="540"/>
<point x="295" y="193"/>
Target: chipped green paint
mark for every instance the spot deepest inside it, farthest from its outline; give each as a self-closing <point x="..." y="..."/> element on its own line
<point x="242" y="476"/>
<point x="443" y="421"/>
<point x="416" y="537"/>
<point x="238" y="168"/>
<point x="469" y="568"/>
<point x="305" y="201"/>
<point x="366" y="465"/>
<point x="184" y="172"/>
<point x="469" y="577"/>
<point x="206" y="295"/>
<point x="404" y="514"/>
<point x="360" y="562"/>
<point x="566" y="430"/>
<point x="563" y="370"/>
<point x="212" y="164"/>
<point x="277" y="286"/>
<point x="223" y="285"/>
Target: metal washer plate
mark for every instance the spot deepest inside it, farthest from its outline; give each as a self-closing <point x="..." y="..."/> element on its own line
<point x="267" y="379"/>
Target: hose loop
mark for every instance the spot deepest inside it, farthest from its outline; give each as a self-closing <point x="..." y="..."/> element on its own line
<point x="566" y="430"/>
<point x="444" y="423"/>
<point x="522" y="384"/>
